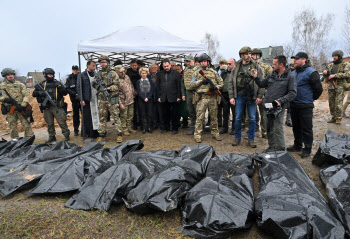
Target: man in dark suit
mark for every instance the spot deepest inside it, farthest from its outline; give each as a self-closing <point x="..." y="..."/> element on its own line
<point x="169" y="94"/>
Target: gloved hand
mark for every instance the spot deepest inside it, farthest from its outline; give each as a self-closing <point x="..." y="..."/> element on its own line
<point x="41" y="93"/>
<point x="211" y="89"/>
<point x="7" y="100"/>
<point x="57" y="84"/>
<point x="205" y="82"/>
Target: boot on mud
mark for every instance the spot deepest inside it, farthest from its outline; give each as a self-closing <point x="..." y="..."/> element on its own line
<point x="51" y="139"/>
<point x="126" y="133"/>
<point x="119" y="139"/>
<point x="331" y="120"/>
<point x="338" y="121"/>
<point x="252" y="144"/>
<point x="132" y="130"/>
<point x="217" y="138"/>
<point x="198" y="140"/>
<point x="236" y="142"/>
<point x="99" y="139"/>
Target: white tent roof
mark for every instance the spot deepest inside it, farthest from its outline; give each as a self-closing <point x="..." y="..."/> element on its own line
<point x="150" y="44"/>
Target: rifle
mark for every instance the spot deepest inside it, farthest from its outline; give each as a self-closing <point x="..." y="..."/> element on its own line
<point x="332" y="80"/>
<point x="18" y="107"/>
<point x="101" y="86"/>
<point x="47" y="98"/>
<point x="213" y="86"/>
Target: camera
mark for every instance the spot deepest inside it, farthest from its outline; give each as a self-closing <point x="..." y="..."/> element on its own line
<point x="273" y="110"/>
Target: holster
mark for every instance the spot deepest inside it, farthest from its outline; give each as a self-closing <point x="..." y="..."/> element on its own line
<point x="114" y="99"/>
<point x="196" y="97"/>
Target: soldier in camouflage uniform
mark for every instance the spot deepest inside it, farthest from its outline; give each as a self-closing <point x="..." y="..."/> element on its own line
<point x="19" y="93"/>
<point x="187" y="76"/>
<point x="266" y="69"/>
<point x="55" y="109"/>
<point x="111" y="105"/>
<point x="339" y="71"/>
<point x="207" y="99"/>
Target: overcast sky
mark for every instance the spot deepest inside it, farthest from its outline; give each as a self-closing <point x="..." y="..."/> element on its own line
<point x="42" y="33"/>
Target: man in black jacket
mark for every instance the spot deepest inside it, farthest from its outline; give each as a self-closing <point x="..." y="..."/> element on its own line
<point x="169" y="93"/>
<point x="281" y="90"/>
<point x="71" y="86"/>
<point x="134" y="76"/>
<point x="309" y="88"/>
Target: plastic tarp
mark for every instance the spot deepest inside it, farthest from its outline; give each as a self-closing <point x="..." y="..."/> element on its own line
<point x="288" y="204"/>
<point x="12" y="145"/>
<point x="334" y="149"/>
<point x="18" y="175"/>
<point x="336" y="178"/>
<point x="101" y="190"/>
<point x="164" y="189"/>
<point x="141" y="42"/>
<point x="71" y="175"/>
<point x="223" y="201"/>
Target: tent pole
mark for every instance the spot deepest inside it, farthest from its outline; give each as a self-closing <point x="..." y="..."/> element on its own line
<point x="81" y="99"/>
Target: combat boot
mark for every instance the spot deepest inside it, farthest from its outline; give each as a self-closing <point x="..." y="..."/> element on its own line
<point x="252" y="144"/>
<point x="331" y="120"/>
<point x="51" y="139"/>
<point x="223" y="131"/>
<point x="119" y="139"/>
<point x="236" y="142"/>
<point x="66" y="138"/>
<point x="264" y="135"/>
<point x="126" y="133"/>
<point x="217" y="138"/>
<point x="99" y="139"/>
<point x="132" y="131"/>
<point x="338" y="121"/>
<point x="198" y="140"/>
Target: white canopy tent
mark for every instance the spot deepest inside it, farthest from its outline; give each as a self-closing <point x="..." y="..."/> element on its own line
<point x="149" y="44"/>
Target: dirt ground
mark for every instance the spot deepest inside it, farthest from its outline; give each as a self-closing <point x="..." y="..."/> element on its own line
<point x="25" y="216"/>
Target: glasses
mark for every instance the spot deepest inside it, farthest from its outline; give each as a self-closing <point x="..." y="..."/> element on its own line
<point x="229" y="63"/>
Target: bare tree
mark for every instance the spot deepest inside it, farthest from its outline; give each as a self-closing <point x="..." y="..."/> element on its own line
<point x="212" y="45"/>
<point x="290" y="49"/>
<point x="310" y="34"/>
<point x="346" y="31"/>
<point x="218" y="58"/>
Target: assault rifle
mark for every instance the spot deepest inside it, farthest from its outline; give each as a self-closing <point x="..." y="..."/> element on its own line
<point x="213" y="87"/>
<point x="48" y="98"/>
<point x="100" y="86"/>
<point x="332" y="80"/>
<point x="18" y="107"/>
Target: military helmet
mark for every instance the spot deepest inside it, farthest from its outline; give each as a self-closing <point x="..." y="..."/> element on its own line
<point x="103" y="58"/>
<point x="245" y="49"/>
<point x="339" y="53"/>
<point x="196" y="58"/>
<point x="7" y="71"/>
<point x="222" y="61"/>
<point x="257" y="51"/>
<point x="204" y="57"/>
<point x="48" y="71"/>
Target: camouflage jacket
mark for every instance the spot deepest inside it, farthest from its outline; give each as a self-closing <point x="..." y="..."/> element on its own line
<point x="343" y="71"/>
<point x="266" y="69"/>
<point x="187" y="76"/>
<point x="111" y="79"/>
<point x="234" y="77"/>
<point x="196" y="82"/>
<point x="17" y="90"/>
<point x="127" y="91"/>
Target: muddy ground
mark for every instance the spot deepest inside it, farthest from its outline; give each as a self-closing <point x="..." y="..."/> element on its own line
<point x="24" y="216"/>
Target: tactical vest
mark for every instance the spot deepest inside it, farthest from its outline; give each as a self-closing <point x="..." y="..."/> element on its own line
<point x="304" y="90"/>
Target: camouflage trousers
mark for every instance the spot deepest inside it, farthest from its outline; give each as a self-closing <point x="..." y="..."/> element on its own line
<point x="191" y="108"/>
<point x="126" y="116"/>
<point x="12" y="119"/>
<point x="60" y="116"/>
<point x="207" y="102"/>
<point x="336" y="98"/>
<point x="103" y="108"/>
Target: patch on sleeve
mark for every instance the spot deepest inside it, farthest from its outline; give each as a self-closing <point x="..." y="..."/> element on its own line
<point x="193" y="79"/>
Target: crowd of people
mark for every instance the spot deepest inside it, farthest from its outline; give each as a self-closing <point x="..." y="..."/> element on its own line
<point x="136" y="97"/>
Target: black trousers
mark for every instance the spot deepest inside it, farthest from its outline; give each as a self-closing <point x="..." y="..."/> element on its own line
<point x="156" y="113"/>
<point x="136" y="119"/>
<point x="76" y="116"/>
<point x="168" y="113"/>
<point x="145" y="112"/>
<point x="88" y="122"/>
<point x="302" y="127"/>
<point x="226" y="111"/>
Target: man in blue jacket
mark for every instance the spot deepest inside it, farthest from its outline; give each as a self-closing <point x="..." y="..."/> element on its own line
<point x="309" y="88"/>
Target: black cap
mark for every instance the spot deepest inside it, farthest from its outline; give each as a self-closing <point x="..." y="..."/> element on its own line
<point x="301" y="55"/>
<point x="75" y="67"/>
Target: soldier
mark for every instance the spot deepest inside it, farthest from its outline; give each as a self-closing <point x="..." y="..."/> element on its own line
<point x="187" y="76"/>
<point x="222" y="62"/>
<point x="20" y="94"/>
<point x="55" y="107"/>
<point x="71" y="86"/>
<point x="205" y="98"/>
<point x="338" y="72"/>
<point x="266" y="69"/>
<point x="126" y="99"/>
<point x="244" y="92"/>
<point x="110" y="104"/>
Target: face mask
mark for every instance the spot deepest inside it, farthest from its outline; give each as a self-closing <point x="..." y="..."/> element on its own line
<point x="49" y="78"/>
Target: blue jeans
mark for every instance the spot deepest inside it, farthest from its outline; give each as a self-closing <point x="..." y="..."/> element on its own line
<point x="241" y="103"/>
